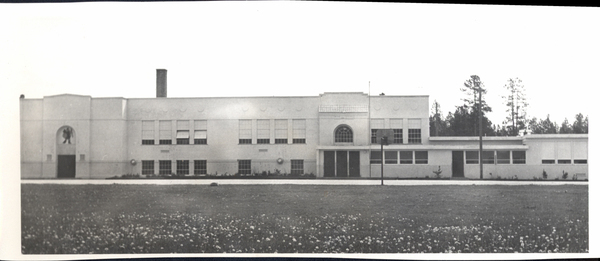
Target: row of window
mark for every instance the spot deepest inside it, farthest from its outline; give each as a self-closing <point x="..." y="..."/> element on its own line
<point x="496" y="157"/>
<point x="200" y="136"/>
<point x="199" y="167"/>
<point x="402" y="157"/>
<point x="414" y="136"/>
<point x="564" y="161"/>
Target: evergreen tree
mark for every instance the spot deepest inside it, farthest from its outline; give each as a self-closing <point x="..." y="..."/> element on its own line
<point x="565" y="127"/>
<point x="580" y="125"/>
<point x="516" y="105"/>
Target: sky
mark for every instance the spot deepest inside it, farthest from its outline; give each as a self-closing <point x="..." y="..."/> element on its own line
<point x="255" y="48"/>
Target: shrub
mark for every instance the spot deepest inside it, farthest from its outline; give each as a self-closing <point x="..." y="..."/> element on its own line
<point x="544" y="174"/>
<point x="565" y="175"/>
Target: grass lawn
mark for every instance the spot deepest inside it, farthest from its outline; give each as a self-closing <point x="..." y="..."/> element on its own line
<point x="300" y="218"/>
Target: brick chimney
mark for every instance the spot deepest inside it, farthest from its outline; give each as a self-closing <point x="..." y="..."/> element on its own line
<point x="161" y="83"/>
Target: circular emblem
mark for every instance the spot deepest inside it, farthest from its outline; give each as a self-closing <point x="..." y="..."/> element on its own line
<point x="279" y="160"/>
<point x="133" y="162"/>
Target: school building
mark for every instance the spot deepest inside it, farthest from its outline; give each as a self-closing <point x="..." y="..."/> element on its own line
<point x="332" y="135"/>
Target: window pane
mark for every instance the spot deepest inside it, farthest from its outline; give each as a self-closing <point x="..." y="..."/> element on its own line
<point x="199" y="167"/>
<point x="164" y="167"/>
<point x="183" y="167"/>
<point x="398" y="136"/>
<point x="375" y="157"/>
<point x="244" y="167"/>
<point x="564" y="161"/>
<point x="299" y="141"/>
<point x="263" y="129"/>
<point x="548" y="161"/>
<point x="391" y="157"/>
<point x="503" y="157"/>
<point x="414" y="135"/>
<point x="281" y="141"/>
<point x="245" y="129"/>
<point x="299" y="129"/>
<point x="374" y="136"/>
<point x="472" y="157"/>
<point x="297" y="166"/>
<point x="487" y="157"/>
<point x="580" y="161"/>
<point x="147" y="167"/>
<point x="421" y="157"/>
<point x="518" y="157"/>
<point x="263" y="141"/>
<point x="245" y="141"/>
<point x="406" y="157"/>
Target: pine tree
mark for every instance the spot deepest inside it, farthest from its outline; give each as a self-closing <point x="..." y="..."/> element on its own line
<point x="517" y="105"/>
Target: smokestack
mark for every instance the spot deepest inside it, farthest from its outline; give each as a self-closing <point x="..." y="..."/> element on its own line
<point x="161" y="83"/>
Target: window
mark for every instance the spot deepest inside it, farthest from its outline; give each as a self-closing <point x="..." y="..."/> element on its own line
<point x="281" y="131"/>
<point x="375" y="157"/>
<point x="397" y="136"/>
<point x="406" y="157"/>
<point x="200" y="136"/>
<point x="245" y="131"/>
<point x="164" y="132"/>
<point x="564" y="161"/>
<point x="147" y="132"/>
<point x="147" y="167"/>
<point x="183" y="132"/>
<point x="299" y="131"/>
<point x="374" y="136"/>
<point x="503" y="157"/>
<point x="472" y="157"/>
<point x="580" y="161"/>
<point x="487" y="157"/>
<point x="421" y="157"/>
<point x="183" y="167"/>
<point x="164" y="167"/>
<point x="199" y="167"/>
<point x="414" y="131"/>
<point x="548" y="161"/>
<point x="343" y="134"/>
<point x="396" y="125"/>
<point x="244" y="167"/>
<point x="376" y="124"/>
<point x="263" y="131"/>
<point x="297" y="166"/>
<point x="518" y="157"/>
<point x="391" y="157"/>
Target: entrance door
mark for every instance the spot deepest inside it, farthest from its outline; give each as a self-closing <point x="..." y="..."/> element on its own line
<point x="66" y="166"/>
<point x="354" y="163"/>
<point x="341" y="164"/>
<point x="458" y="167"/>
<point x="329" y="164"/>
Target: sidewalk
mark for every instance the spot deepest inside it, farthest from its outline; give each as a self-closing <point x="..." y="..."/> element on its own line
<point x="297" y="182"/>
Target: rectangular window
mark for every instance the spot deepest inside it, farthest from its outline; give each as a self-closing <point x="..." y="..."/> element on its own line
<point x="391" y="157"/>
<point x="200" y="133"/>
<point x="245" y="131"/>
<point x="421" y="157"/>
<point x="396" y="125"/>
<point x="164" y="132"/>
<point x="263" y="141"/>
<point x="199" y="167"/>
<point x="375" y="157"/>
<point x="548" y="161"/>
<point x="376" y="124"/>
<point x="406" y="157"/>
<point x="299" y="131"/>
<point x="263" y="133"/>
<point x="183" y="167"/>
<point x="183" y="137"/>
<point x="518" y="157"/>
<point x="472" y="157"/>
<point x="164" y="167"/>
<point x="414" y="131"/>
<point x="564" y="161"/>
<point x="147" y="167"/>
<point x="503" y="157"/>
<point x="297" y="166"/>
<point x="487" y="157"/>
<point x="580" y="161"/>
<point x="244" y="167"/>
<point x="147" y="132"/>
<point x="281" y="131"/>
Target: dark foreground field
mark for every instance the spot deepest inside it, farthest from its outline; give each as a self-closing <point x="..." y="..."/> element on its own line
<point x="306" y="219"/>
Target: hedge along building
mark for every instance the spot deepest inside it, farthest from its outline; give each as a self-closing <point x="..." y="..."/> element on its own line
<point x="330" y="135"/>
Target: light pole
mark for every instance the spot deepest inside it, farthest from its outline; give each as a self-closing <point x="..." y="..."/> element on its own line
<point x="477" y="83"/>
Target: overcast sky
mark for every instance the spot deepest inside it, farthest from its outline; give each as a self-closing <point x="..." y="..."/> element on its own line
<point x="299" y="48"/>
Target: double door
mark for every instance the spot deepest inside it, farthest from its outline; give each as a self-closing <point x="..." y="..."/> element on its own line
<point x="341" y="163"/>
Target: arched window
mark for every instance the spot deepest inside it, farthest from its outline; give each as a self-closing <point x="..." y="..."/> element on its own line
<point x="343" y="133"/>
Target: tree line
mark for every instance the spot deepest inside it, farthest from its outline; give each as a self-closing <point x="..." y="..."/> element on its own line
<point x="464" y="121"/>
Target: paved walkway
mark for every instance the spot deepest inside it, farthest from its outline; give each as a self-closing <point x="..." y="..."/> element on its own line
<point x="296" y="182"/>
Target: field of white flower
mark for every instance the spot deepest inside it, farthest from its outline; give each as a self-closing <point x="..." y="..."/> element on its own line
<point x="62" y="219"/>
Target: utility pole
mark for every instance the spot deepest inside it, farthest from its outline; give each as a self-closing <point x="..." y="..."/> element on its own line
<point x="477" y="83"/>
